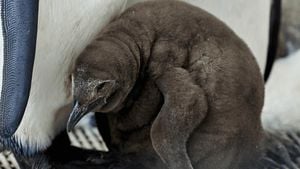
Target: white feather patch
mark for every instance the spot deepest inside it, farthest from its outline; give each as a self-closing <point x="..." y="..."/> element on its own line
<point x="282" y="101"/>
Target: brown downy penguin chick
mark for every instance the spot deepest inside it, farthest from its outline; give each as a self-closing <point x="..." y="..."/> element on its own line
<point x="202" y="92"/>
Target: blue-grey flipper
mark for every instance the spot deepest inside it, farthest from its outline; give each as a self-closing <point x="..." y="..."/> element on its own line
<point x="19" y="29"/>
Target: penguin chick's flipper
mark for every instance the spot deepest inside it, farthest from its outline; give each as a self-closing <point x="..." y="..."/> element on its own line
<point x="184" y="108"/>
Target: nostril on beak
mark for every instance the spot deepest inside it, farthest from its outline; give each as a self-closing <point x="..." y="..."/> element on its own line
<point x="74" y="103"/>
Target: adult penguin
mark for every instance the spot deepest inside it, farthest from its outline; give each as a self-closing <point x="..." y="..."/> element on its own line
<point x="64" y="30"/>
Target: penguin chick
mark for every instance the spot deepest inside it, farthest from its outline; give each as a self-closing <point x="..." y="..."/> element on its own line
<point x="210" y="82"/>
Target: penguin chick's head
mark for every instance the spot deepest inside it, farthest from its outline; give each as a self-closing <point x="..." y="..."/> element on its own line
<point x="104" y="75"/>
<point x="93" y="90"/>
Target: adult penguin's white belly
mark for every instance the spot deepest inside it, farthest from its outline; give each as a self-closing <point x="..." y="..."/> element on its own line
<point x="65" y="28"/>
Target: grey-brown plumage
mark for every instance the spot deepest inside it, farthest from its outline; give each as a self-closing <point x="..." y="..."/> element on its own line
<point x="181" y="90"/>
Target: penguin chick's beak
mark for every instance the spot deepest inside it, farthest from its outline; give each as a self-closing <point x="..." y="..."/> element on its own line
<point x="79" y="111"/>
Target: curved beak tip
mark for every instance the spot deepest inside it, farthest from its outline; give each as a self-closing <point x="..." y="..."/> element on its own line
<point x="75" y="116"/>
<point x="72" y="122"/>
<point x="70" y="126"/>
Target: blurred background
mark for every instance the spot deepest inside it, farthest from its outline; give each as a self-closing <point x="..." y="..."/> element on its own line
<point x="282" y="101"/>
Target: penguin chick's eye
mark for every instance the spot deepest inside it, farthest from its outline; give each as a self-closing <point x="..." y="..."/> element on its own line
<point x="100" y="87"/>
